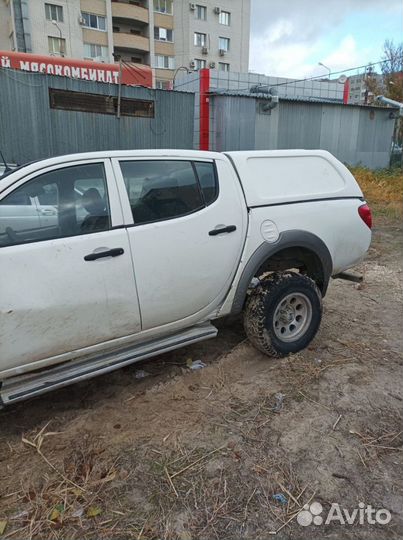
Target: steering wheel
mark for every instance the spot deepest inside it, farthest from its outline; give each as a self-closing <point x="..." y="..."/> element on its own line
<point x="12" y="235"/>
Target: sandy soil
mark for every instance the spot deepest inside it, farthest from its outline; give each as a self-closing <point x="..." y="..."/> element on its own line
<point x="218" y="453"/>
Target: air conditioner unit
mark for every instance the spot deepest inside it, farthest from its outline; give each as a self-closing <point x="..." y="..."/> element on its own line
<point x="81" y="20"/>
<point x="217" y="10"/>
<point x="192" y="6"/>
<point x="212" y="65"/>
<point x="204" y="50"/>
<point x="222" y="52"/>
<point x="192" y="64"/>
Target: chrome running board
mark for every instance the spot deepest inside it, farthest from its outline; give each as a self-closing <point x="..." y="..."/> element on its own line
<point x="27" y="386"/>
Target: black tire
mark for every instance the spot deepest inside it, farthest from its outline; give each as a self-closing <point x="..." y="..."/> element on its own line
<point x="272" y="303"/>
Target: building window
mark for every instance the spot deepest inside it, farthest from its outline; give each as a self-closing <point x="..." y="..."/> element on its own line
<point x="163" y="34"/>
<point x="95" y="52"/>
<point x="94" y="21"/>
<point x="222" y="66"/>
<point x="54" y="12"/>
<point x="223" y="44"/>
<point x="57" y="45"/>
<point x="224" y="18"/>
<point x="201" y="12"/>
<point x="200" y="64"/>
<point x="163" y="85"/>
<point x="163" y="6"/>
<point x="164" y="62"/>
<point x="200" y="39"/>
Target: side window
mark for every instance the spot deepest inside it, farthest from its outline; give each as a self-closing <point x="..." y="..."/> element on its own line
<point x="160" y="190"/>
<point x="208" y="180"/>
<point x="65" y="202"/>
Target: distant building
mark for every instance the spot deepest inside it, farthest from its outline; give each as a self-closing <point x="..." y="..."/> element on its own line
<point x="165" y="34"/>
<point x="213" y="34"/>
<point x="359" y="92"/>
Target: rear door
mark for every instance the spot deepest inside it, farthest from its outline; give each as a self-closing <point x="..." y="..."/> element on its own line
<point x="187" y="224"/>
<point x="67" y="279"/>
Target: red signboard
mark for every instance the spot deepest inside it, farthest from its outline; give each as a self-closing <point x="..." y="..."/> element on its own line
<point x="132" y="74"/>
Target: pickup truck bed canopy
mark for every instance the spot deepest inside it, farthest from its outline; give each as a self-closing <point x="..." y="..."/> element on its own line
<point x="284" y="176"/>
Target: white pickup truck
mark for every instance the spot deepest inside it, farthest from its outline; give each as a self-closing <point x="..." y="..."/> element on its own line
<point x="107" y="258"/>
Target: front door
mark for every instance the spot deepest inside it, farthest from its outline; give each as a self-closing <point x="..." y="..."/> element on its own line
<point x="187" y="234"/>
<point x="66" y="279"/>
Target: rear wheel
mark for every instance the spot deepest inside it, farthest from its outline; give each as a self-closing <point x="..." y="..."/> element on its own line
<point x="283" y="313"/>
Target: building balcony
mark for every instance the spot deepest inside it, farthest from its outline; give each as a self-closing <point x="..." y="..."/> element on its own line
<point x="131" y="41"/>
<point x="124" y="10"/>
<point x="164" y="20"/>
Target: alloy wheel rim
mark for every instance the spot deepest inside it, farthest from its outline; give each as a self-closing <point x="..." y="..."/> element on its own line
<point x="292" y="317"/>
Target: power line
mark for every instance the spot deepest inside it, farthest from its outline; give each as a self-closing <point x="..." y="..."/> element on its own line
<point x="332" y="73"/>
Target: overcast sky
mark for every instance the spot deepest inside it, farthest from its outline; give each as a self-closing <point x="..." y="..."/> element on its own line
<point x="290" y="37"/>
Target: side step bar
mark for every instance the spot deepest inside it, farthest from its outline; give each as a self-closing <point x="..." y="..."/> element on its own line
<point x="27" y="386"/>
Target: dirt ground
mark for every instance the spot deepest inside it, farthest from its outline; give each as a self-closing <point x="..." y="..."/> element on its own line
<point x="233" y="450"/>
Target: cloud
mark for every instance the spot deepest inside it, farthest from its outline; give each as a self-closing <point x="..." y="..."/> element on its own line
<point x="287" y="37"/>
<point x="311" y="18"/>
<point x="293" y="60"/>
<point x="281" y="60"/>
<point x="281" y="29"/>
<point x="346" y="54"/>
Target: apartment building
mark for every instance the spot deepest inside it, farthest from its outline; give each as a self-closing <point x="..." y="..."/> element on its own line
<point x="72" y="28"/>
<point x="213" y="34"/>
<point x="165" y="34"/>
<point x="360" y="87"/>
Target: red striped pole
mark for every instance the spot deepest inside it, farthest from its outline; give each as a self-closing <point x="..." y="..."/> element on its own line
<point x="346" y="92"/>
<point x="204" y="143"/>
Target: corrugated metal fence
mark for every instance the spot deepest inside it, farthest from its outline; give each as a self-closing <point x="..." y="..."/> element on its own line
<point x="30" y="129"/>
<point x="354" y="134"/>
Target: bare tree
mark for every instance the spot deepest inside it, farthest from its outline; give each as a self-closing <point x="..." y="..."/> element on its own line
<point x="373" y="84"/>
<point x="392" y="70"/>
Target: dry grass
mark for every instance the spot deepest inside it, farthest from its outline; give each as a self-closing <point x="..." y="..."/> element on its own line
<point x="383" y="189"/>
<point x="221" y="493"/>
<point x="238" y="484"/>
<point x="378" y="444"/>
<point x="68" y="499"/>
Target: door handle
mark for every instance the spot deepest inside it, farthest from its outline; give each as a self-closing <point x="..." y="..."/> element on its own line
<point x="46" y="211"/>
<point x="227" y="229"/>
<point x="109" y="253"/>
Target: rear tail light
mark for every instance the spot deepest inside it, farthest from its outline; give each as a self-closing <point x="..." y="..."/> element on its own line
<point x="365" y="214"/>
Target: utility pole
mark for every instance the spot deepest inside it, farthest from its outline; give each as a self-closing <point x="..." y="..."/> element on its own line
<point x="119" y="88"/>
<point x="62" y="51"/>
<point x="326" y="67"/>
